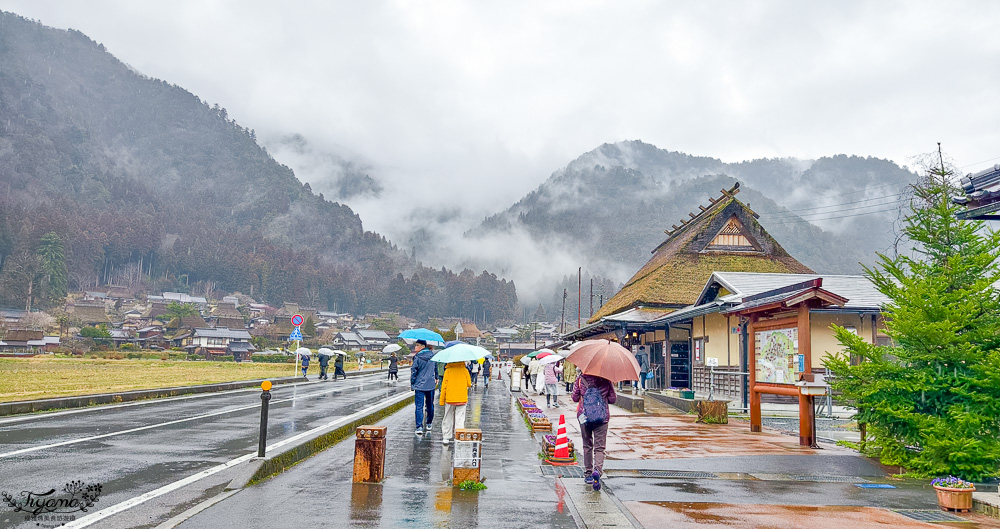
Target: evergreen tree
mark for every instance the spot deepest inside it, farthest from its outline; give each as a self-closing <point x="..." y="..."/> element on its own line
<point x="932" y="400"/>
<point x="52" y="260"/>
<point x="309" y="327"/>
<point x="539" y="313"/>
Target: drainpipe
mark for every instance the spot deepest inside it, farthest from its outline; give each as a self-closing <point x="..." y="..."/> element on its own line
<point x="745" y="361"/>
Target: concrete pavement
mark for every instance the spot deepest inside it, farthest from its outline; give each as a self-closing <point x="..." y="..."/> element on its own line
<point x="666" y="470"/>
<point x="416" y="491"/>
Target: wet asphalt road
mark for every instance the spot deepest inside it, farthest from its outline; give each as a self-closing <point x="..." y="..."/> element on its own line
<point x="151" y="444"/>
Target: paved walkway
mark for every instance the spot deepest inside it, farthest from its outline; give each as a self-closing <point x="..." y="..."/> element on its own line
<point x="416" y="492"/>
<point x="666" y="470"/>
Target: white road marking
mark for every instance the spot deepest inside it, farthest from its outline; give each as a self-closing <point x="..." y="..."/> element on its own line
<point x="151" y="402"/>
<point x="168" y="423"/>
<point x="128" y="504"/>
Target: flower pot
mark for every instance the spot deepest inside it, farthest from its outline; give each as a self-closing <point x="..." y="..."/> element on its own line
<point x="950" y="499"/>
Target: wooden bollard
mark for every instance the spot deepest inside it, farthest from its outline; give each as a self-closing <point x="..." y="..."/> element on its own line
<point x="468" y="455"/>
<point x="369" y="454"/>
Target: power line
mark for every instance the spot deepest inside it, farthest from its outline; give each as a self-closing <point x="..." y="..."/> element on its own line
<point x="834" y="211"/>
<point x="800" y="220"/>
<point x="865" y="190"/>
<point x="837" y="205"/>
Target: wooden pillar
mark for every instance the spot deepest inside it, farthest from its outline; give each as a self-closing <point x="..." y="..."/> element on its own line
<point x="369" y="454"/>
<point x="755" y="419"/>
<point x="806" y="410"/>
<point x="805" y="402"/>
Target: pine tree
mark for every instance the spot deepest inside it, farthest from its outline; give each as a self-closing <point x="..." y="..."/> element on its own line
<point x="932" y="399"/>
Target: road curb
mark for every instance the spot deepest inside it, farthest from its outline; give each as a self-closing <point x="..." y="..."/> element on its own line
<point x="83" y="401"/>
<point x="276" y="464"/>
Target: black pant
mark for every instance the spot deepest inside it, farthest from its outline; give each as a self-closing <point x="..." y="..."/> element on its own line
<point x="393" y="375"/>
<point x="322" y="371"/>
<point x="339" y="371"/>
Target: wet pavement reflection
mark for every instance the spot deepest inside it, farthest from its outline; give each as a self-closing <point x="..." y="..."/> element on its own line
<point x="417" y="491"/>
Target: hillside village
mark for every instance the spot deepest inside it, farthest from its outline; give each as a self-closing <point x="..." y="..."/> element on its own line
<point x="234" y="327"/>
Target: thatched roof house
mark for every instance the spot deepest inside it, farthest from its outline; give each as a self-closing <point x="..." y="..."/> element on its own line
<point x="724" y="236"/>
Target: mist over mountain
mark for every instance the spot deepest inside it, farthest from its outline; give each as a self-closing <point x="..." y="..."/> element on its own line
<point x="148" y="187"/>
<point x="611" y="206"/>
<point x="338" y="174"/>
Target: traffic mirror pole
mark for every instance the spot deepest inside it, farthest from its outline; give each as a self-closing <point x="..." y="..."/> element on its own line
<point x="265" y="398"/>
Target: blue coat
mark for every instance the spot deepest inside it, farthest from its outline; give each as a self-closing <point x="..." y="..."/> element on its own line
<point x="423" y="373"/>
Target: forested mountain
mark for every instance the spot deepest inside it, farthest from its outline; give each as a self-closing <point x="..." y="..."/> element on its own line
<point x="613" y="204"/>
<point x="136" y="182"/>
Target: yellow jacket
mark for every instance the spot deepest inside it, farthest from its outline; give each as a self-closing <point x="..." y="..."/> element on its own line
<point x="455" y="384"/>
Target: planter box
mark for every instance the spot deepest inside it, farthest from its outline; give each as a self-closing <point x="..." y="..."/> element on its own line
<point x="954" y="499"/>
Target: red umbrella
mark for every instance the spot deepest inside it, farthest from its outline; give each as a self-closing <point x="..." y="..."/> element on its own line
<point x="605" y="359"/>
<point x="543" y="355"/>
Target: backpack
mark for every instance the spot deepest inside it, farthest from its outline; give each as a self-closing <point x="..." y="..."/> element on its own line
<point x="594" y="407"/>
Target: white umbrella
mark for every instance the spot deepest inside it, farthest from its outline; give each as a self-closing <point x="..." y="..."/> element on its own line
<point x="551" y="359"/>
<point x="303" y="351"/>
<point x="391" y="348"/>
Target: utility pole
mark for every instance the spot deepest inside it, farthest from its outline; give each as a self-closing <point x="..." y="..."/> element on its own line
<point x="591" y="297"/>
<point x="579" y="296"/>
<point x="562" y="319"/>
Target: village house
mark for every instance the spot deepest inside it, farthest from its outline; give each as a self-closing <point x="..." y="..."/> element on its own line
<point x="220" y="341"/>
<point x="375" y="339"/>
<point x="89" y="314"/>
<point x="725" y="236"/>
<point x="26" y="341"/>
<point x="468" y="332"/>
<point x="350" y="341"/>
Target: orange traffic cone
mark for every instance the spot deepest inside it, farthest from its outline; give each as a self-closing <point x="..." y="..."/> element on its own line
<point x="562" y="441"/>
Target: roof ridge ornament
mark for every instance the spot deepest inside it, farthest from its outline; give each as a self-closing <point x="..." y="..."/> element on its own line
<point x="730" y="193"/>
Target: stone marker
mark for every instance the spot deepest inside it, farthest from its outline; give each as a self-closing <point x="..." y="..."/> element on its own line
<point x="369" y="454"/>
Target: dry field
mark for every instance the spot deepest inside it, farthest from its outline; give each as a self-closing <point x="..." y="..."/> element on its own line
<point x="46" y="377"/>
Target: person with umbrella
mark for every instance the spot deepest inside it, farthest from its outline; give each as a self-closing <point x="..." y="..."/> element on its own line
<point x="338" y="366"/>
<point x="601" y="364"/>
<point x="534" y="367"/>
<point x="393" y="367"/>
<point x="324" y="363"/>
<point x="455" y="386"/>
<point x="423" y="381"/>
<point x="551" y="371"/>
<point x="487" y="371"/>
<point x="305" y="360"/>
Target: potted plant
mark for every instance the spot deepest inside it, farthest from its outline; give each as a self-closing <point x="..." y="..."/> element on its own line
<point x="954" y="494"/>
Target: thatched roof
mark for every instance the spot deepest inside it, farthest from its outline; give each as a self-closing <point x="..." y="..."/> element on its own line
<point x="723" y="237"/>
<point x="90" y="314"/>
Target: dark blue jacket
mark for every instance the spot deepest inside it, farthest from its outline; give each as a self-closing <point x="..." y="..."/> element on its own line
<point x="423" y="373"/>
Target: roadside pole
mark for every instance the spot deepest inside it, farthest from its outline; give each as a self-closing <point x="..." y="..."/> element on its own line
<point x="265" y="398"/>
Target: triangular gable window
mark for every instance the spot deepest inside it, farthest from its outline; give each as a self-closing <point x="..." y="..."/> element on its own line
<point x="732" y="237"/>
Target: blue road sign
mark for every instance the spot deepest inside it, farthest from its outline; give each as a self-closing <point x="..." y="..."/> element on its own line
<point x="296" y="335"/>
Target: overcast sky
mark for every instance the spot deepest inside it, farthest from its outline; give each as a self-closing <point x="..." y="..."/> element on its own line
<point x="478" y="102"/>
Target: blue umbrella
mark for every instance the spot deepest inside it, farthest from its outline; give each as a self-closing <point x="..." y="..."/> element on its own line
<point x="451" y="343"/>
<point x="426" y="335"/>
<point x="460" y="352"/>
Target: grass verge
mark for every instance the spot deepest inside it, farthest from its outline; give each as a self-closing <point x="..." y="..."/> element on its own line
<point x="288" y="459"/>
<point x="46" y="377"/>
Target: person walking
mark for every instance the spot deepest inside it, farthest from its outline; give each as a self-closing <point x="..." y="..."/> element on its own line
<point x="534" y="366"/>
<point x="569" y="375"/>
<point x="455" y="386"/>
<point x="642" y="358"/>
<point x="324" y="363"/>
<point x="487" y="371"/>
<point x="474" y="369"/>
<point x="423" y="381"/>
<point x="593" y="393"/>
<point x="393" y="367"/>
<point x="305" y="365"/>
<point x="338" y="367"/>
<point x="551" y="374"/>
